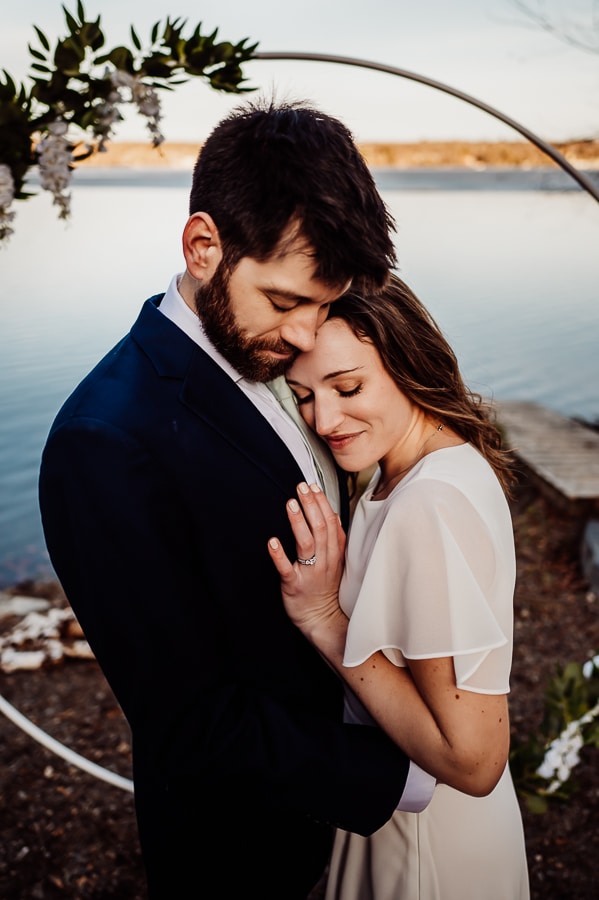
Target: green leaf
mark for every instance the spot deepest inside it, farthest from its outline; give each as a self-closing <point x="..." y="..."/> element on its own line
<point x="36" y="53"/>
<point x="81" y="11"/>
<point x="68" y="57"/>
<point x="120" y="57"/>
<point x="246" y="52"/>
<point x="10" y="84"/>
<point x="156" y="67"/>
<point x="155" y="32"/>
<point x="91" y="35"/>
<point x="71" y="22"/>
<point x="43" y="39"/>
<point x="135" y="39"/>
<point x="536" y="804"/>
<point x="178" y="24"/>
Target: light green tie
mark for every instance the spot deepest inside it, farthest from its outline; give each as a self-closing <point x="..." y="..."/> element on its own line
<point x="320" y="452"/>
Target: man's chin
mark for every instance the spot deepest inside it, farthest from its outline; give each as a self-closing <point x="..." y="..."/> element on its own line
<point x="265" y="365"/>
<point x="267" y="369"/>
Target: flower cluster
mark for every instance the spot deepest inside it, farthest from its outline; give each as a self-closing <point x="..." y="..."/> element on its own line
<point x="7" y="195"/>
<point x="55" y="159"/>
<point x="145" y="98"/>
<point x="73" y="105"/>
<point x="543" y="765"/>
<point x="563" y="753"/>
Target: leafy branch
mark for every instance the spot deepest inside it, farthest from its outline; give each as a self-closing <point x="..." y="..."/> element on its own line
<point x="73" y="103"/>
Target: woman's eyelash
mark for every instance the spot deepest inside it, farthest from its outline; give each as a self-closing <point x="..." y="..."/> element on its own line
<point x="351" y="393"/>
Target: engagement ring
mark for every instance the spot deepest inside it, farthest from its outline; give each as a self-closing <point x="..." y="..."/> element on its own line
<point x="307" y="562"/>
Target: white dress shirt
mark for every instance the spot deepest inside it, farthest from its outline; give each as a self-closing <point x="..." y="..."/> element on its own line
<point x="174" y="307"/>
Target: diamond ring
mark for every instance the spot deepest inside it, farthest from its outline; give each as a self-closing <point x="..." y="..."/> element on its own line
<point x="307" y="562"/>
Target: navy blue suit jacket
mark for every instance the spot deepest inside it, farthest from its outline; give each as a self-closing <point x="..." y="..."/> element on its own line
<point x="159" y="488"/>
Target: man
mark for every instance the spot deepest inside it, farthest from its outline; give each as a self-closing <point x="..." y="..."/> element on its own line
<point x="152" y="494"/>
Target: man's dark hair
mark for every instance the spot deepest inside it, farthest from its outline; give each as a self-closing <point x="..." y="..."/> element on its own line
<point x="268" y="167"/>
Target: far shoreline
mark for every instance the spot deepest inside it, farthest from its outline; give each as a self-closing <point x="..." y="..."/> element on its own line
<point x="477" y="155"/>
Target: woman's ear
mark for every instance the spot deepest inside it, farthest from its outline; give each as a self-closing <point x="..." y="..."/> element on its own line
<point x="201" y="246"/>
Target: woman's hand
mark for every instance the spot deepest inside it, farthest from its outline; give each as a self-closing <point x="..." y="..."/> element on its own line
<point x="310" y="585"/>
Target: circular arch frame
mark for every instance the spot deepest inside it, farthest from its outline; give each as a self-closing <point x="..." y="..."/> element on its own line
<point x="546" y="148"/>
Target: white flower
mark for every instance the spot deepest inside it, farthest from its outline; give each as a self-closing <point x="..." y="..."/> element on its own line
<point x="7" y="186"/>
<point x="58" y="127"/>
<point x="107" y="113"/>
<point x="7" y="195"/>
<point x="120" y="78"/>
<point x="54" y="162"/>
<point x="145" y="98"/>
<point x="589" y="666"/>
<point x="563" y="753"/>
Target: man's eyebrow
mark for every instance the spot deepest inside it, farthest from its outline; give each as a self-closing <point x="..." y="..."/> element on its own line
<point x="287" y="295"/>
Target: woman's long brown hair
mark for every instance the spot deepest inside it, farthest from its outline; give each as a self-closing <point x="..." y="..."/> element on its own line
<point x="418" y="357"/>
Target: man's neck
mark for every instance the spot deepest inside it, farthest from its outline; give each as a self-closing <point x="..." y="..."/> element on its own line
<point x="187" y="287"/>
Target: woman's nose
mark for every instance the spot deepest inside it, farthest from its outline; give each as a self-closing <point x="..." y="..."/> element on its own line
<point x="327" y="415"/>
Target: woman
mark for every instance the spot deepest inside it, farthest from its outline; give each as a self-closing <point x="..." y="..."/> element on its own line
<point x="419" y="621"/>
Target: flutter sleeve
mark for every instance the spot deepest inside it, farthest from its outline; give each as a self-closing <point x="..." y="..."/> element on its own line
<point x="433" y="578"/>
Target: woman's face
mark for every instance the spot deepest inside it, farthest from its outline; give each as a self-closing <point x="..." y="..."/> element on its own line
<point x="346" y="395"/>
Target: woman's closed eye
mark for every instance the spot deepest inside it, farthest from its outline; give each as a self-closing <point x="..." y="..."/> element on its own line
<point x="347" y="392"/>
<point x="350" y="392"/>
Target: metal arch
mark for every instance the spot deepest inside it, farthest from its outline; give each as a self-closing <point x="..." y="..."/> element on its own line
<point x="546" y="148"/>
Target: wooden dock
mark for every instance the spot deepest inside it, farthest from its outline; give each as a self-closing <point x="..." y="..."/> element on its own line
<point x="560" y="451"/>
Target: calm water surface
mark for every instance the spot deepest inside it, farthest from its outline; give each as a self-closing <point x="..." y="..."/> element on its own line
<point x="508" y="265"/>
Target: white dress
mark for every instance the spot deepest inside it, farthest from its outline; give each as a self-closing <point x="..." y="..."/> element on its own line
<point x="430" y="572"/>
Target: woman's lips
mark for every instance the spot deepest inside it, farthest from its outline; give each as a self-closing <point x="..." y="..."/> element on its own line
<point x="340" y="441"/>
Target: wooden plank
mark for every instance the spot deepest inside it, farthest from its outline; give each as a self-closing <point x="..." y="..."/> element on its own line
<point x="562" y="452"/>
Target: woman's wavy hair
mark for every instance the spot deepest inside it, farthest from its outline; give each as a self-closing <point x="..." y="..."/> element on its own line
<point x="270" y="172"/>
<point x="417" y="356"/>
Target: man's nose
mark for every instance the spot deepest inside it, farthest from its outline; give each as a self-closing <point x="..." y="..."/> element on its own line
<point x="300" y="327"/>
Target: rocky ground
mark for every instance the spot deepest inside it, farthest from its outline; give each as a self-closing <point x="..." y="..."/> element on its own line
<point x="67" y="834"/>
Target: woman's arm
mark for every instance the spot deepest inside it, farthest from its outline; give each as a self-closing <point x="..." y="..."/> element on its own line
<point x="459" y="737"/>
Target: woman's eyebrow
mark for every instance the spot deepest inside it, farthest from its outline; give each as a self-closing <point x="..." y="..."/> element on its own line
<point x="330" y="375"/>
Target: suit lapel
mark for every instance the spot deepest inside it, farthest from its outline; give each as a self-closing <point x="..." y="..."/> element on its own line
<point x="215" y="398"/>
<point x="212" y="396"/>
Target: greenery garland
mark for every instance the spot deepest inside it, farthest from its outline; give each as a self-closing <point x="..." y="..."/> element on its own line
<point x="72" y="106"/>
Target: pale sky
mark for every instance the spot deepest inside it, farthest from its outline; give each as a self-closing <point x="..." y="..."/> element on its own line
<point x="484" y="48"/>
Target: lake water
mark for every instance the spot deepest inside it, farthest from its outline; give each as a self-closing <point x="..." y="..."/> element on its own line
<point x="507" y="262"/>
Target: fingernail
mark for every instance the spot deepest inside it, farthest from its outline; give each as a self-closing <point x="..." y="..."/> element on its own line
<point x="315" y="488"/>
<point x="303" y="488"/>
<point x="274" y="544"/>
<point x="294" y="506"/>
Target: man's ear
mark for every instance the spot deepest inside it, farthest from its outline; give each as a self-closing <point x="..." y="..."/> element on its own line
<point x="201" y="246"/>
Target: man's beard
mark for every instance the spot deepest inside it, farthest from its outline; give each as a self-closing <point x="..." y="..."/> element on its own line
<point x="246" y="355"/>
